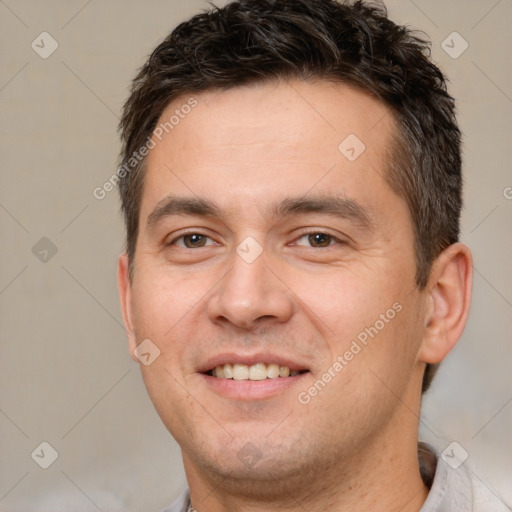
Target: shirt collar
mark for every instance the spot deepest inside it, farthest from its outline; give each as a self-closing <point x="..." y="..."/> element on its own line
<point x="450" y="489"/>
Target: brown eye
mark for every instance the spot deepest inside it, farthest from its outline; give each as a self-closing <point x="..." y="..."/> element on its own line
<point x="194" y="240"/>
<point x="317" y="240"/>
<point x="320" y="239"/>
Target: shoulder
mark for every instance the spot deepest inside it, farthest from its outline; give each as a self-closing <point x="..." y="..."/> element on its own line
<point x="485" y="500"/>
<point x="456" y="488"/>
<point x="181" y="503"/>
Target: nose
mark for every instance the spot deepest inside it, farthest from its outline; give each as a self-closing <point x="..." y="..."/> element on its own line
<point x="250" y="295"/>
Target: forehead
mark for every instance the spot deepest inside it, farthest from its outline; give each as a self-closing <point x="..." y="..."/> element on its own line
<point x="259" y="141"/>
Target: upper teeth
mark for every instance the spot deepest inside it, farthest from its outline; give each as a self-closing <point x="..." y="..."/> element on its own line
<point x="259" y="371"/>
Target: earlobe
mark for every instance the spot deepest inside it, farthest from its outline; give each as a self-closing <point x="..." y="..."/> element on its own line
<point x="125" y="296"/>
<point x="449" y="297"/>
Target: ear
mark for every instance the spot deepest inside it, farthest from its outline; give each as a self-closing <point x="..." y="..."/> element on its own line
<point x="449" y="296"/>
<point x="124" y="287"/>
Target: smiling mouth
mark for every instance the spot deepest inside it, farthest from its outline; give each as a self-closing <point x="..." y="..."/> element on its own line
<point x="258" y="371"/>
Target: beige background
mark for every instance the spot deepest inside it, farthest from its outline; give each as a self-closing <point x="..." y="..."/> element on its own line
<point x="65" y="374"/>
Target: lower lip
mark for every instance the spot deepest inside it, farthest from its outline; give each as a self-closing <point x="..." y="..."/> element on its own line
<point x="247" y="390"/>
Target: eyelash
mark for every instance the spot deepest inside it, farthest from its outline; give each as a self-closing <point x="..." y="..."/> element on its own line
<point x="189" y="233"/>
<point x="334" y="239"/>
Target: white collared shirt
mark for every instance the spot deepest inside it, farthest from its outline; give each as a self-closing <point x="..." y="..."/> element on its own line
<point x="452" y="490"/>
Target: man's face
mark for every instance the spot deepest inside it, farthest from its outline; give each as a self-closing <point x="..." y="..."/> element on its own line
<point x="262" y="240"/>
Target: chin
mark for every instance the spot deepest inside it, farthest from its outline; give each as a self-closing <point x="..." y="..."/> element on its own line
<point x="257" y="469"/>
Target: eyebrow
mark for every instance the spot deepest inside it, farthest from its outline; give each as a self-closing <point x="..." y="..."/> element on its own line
<point x="338" y="206"/>
<point x="341" y="207"/>
<point x="173" y="205"/>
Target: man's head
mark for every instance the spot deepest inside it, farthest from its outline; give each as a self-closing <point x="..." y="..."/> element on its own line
<point x="260" y="40"/>
<point x="299" y="205"/>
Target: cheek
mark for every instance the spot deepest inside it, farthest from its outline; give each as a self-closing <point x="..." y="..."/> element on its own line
<point x="168" y="393"/>
<point x="345" y="302"/>
<point x="389" y="345"/>
<point x="376" y="356"/>
<point x="369" y="321"/>
<point x="162" y="302"/>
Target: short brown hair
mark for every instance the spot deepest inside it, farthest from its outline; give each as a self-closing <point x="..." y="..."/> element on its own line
<point x="250" y="41"/>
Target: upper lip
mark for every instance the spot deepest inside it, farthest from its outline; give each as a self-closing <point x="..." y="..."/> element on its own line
<point x="250" y="359"/>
